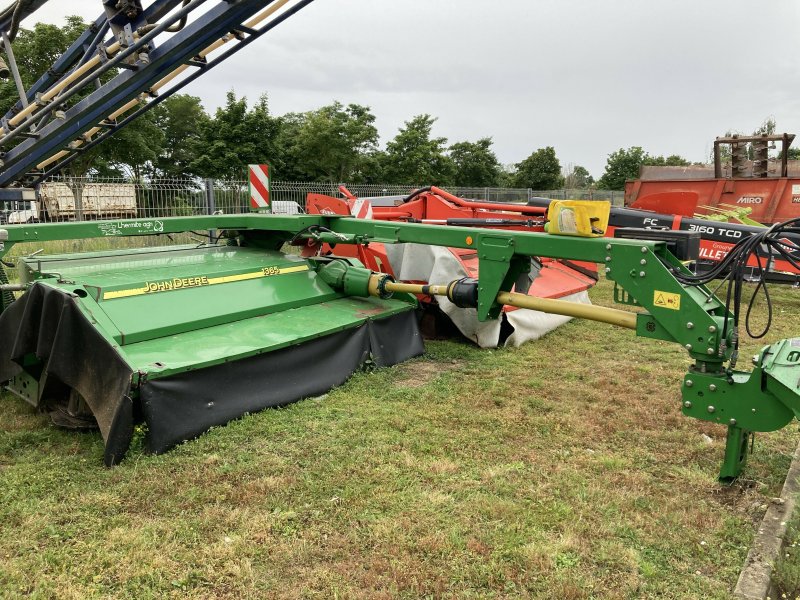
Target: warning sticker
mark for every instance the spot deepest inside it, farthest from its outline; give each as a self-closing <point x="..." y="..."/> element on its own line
<point x="667" y="300"/>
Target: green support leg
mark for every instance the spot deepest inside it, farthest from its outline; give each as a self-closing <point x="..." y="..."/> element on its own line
<point x="735" y="453"/>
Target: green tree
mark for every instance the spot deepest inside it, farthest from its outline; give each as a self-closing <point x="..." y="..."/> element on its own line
<point x="333" y="143"/>
<point x="540" y="171"/>
<point x="620" y="166"/>
<point x="130" y="152"/>
<point x="506" y="177"/>
<point x="235" y="137"/>
<point x="181" y="118"/>
<point x="768" y="127"/>
<point x="287" y="164"/>
<point x="626" y="164"/>
<point x="474" y="164"/>
<point x="673" y="160"/>
<point x="578" y="178"/>
<point x="36" y="50"/>
<point x="413" y="156"/>
<point x="792" y="154"/>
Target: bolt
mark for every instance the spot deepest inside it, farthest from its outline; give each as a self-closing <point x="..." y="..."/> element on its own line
<point x="689" y="383"/>
<point x="688" y="404"/>
<point x="690" y="325"/>
<point x="642" y="274"/>
<point x="732" y="422"/>
<point x="608" y="246"/>
<point x="711" y="329"/>
<point x="711" y="409"/>
<point x="710" y="351"/>
<point x="644" y="249"/>
<point x="643" y="262"/>
<point x="754" y="410"/>
<point x="688" y="347"/>
<point x="608" y="259"/>
<point x="712" y="388"/>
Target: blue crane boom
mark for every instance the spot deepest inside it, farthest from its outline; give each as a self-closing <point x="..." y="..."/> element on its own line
<point x="127" y="61"/>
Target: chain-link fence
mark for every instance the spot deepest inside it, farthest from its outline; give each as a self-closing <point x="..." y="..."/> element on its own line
<point x="82" y="198"/>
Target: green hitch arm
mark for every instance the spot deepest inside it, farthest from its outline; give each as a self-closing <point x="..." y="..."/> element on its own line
<point x="690" y="316"/>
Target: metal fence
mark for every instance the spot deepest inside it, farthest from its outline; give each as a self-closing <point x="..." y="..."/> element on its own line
<point x="118" y="198"/>
<point x="617" y="198"/>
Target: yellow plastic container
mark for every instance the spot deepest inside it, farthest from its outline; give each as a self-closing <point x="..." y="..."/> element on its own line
<point x="581" y="218"/>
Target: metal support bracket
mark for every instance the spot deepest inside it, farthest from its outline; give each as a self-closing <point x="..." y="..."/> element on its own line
<point x="244" y="29"/>
<point x="12" y="65"/>
<point x="499" y="268"/>
<point x="126" y="36"/>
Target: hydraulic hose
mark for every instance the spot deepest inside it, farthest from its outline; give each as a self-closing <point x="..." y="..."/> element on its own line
<point x="173" y="29"/>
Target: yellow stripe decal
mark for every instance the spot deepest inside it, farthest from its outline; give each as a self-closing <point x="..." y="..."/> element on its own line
<point x="184" y="283"/>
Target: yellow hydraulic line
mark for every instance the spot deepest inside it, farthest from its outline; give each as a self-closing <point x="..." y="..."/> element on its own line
<point x="602" y="314"/>
<point x="272" y="9"/>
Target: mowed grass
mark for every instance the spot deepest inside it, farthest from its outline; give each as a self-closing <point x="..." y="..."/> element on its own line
<point x="561" y="469"/>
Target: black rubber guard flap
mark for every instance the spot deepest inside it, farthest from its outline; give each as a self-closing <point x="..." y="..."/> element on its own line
<point x="182" y="406"/>
<point x="48" y="324"/>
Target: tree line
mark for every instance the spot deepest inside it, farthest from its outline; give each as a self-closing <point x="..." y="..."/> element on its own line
<point x="180" y="139"/>
<point x="334" y="143"/>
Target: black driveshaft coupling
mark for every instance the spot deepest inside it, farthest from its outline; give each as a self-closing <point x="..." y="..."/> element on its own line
<point x="463" y="292"/>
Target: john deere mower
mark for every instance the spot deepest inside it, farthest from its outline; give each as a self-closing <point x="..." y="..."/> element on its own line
<point x="182" y="338"/>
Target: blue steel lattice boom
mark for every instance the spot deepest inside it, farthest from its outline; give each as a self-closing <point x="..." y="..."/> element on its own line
<point x="153" y="53"/>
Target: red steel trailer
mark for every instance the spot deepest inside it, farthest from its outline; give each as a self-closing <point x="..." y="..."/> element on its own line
<point x="750" y="183"/>
<point x="772" y="200"/>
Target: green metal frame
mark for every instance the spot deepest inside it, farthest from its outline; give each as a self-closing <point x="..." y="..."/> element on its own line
<point x="764" y="400"/>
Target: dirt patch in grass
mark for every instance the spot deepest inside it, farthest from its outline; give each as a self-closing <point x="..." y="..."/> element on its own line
<point x="418" y="373"/>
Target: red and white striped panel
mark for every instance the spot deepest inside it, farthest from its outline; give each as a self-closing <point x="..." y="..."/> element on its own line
<point x="360" y="208"/>
<point x="259" y="186"/>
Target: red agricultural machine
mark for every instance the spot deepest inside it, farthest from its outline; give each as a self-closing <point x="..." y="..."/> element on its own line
<point x="548" y="277"/>
<point x="770" y="189"/>
<point x="717" y="237"/>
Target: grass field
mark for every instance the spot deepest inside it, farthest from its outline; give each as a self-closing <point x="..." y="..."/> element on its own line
<point x="562" y="469"/>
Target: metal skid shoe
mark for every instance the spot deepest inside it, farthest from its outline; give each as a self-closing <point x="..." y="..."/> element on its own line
<point x="75" y="414"/>
<point x="736" y="451"/>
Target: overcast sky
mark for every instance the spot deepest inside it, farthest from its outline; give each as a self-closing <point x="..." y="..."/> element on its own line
<point x="584" y="76"/>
